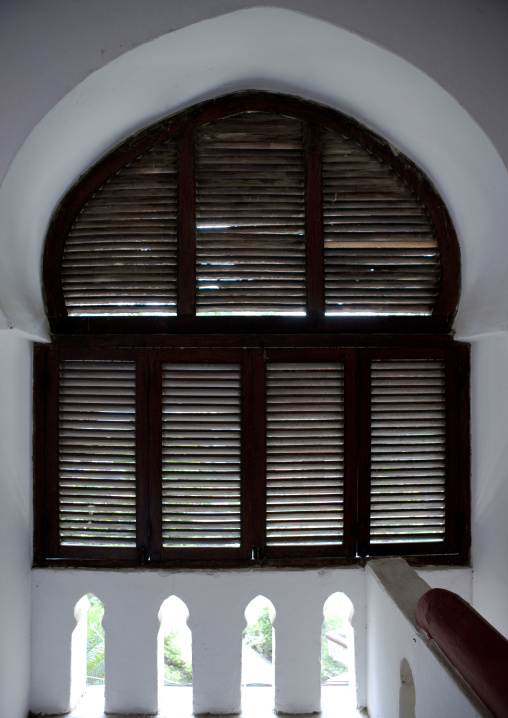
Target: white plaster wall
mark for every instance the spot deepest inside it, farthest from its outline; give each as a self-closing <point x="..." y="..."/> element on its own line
<point x="426" y="75"/>
<point x="459" y="580"/>
<point x="265" y="48"/>
<point x="15" y="523"/>
<point x="393" y="592"/>
<point x="490" y="479"/>
<point x="50" y="47"/>
<point x="216" y="601"/>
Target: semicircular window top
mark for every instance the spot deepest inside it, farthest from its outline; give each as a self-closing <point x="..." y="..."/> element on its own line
<point x="252" y="205"/>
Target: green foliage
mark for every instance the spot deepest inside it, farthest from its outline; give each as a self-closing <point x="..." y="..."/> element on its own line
<point x="176" y="669"/>
<point x="334" y="613"/>
<point x="258" y="635"/>
<point x="95" y="642"/>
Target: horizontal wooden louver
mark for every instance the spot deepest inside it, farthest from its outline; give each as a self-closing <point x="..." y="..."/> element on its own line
<point x="408" y="452"/>
<point x="201" y="453"/>
<point x="120" y="253"/>
<point x="97" y="474"/>
<point x="250" y="245"/>
<point x="305" y="453"/>
<point x="380" y="248"/>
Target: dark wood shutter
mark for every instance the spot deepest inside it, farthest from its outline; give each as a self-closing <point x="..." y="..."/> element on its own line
<point x="380" y="248"/>
<point x="305" y="454"/>
<point x="250" y="195"/>
<point x="408" y="452"/>
<point x="201" y="455"/>
<point x="97" y="449"/>
<point x="120" y="253"/>
<point x="272" y="431"/>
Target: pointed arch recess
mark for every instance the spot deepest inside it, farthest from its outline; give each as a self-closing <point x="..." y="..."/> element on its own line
<point x="359" y="237"/>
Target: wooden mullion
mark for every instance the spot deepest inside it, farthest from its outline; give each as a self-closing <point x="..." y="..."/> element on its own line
<point x="97" y="346"/>
<point x="457" y="529"/>
<point x="52" y="288"/>
<point x="258" y="492"/>
<point x="314" y="221"/>
<point x="96" y="556"/>
<point x="351" y="452"/>
<point x="51" y="470"/>
<point x="464" y="451"/>
<point x="155" y="457"/>
<point x="328" y="551"/>
<point x="451" y="454"/>
<point x="186" y="271"/>
<point x="417" y="549"/>
<point x="213" y="325"/>
<point x="142" y="457"/>
<point x="247" y="456"/>
<point x="363" y="440"/>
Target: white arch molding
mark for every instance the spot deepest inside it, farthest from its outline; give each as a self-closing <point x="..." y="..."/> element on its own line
<point x="271" y="49"/>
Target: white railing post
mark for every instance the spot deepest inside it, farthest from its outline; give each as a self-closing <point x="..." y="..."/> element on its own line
<point x="53" y="622"/>
<point x="297" y="657"/>
<point x="216" y="656"/>
<point x="131" y="626"/>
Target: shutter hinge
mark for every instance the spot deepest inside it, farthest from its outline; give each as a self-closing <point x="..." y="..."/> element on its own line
<point x="143" y="555"/>
<point x="257" y="552"/>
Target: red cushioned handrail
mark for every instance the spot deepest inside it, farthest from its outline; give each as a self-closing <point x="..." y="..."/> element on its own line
<point x="471" y="644"/>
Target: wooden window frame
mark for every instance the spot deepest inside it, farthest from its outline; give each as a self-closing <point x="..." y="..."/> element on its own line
<point x="357" y="340"/>
<point x="182" y="127"/>
<point x="253" y="353"/>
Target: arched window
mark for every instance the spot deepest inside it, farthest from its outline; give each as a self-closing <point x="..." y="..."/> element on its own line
<point x="250" y="304"/>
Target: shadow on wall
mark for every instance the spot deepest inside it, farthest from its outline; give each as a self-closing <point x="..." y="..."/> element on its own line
<point x="407" y="695"/>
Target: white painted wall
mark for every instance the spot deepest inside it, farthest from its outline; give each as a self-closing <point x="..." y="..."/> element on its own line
<point x="426" y="75"/>
<point x="490" y="479"/>
<point x="50" y="47"/>
<point x="265" y="48"/>
<point x="15" y="523"/>
<point x="216" y="601"/>
<point x="459" y="580"/>
<point x="393" y="591"/>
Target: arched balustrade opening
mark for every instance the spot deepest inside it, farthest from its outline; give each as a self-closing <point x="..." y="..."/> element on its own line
<point x="88" y="652"/>
<point x="258" y="651"/>
<point x="338" y="680"/>
<point x="174" y="654"/>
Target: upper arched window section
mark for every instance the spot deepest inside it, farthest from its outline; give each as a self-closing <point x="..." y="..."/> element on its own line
<point x="252" y="212"/>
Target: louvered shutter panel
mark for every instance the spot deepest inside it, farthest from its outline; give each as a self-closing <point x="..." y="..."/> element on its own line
<point x="120" y="253"/>
<point x="250" y="245"/>
<point x="97" y="464"/>
<point x="305" y="453"/>
<point x="408" y="452"/>
<point x="201" y="455"/>
<point x="380" y="249"/>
